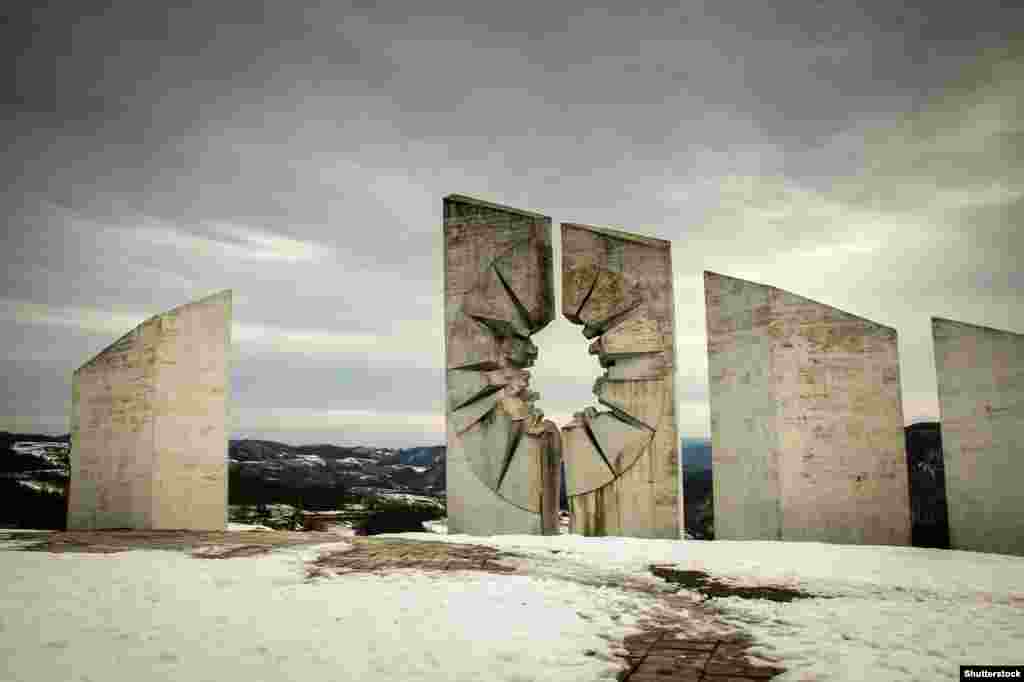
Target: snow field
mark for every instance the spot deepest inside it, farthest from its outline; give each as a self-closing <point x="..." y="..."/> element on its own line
<point x="162" y="615"/>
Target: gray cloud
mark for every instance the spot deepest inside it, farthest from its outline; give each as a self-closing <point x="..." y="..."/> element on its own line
<point x="298" y="154"/>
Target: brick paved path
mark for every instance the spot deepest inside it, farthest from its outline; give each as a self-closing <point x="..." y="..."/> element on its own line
<point x="664" y="656"/>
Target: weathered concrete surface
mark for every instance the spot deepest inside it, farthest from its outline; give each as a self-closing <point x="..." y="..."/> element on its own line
<point x="981" y="398"/>
<point x="622" y="466"/>
<point x="502" y="461"/>
<point x="806" y="419"/>
<point x="148" y="425"/>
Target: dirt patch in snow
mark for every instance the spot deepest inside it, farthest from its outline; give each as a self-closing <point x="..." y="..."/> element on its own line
<point x="200" y="544"/>
<point x="710" y="586"/>
<point x="373" y="555"/>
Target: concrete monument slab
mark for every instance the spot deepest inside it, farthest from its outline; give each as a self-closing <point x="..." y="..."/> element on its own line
<point x="806" y="419"/>
<point x="980" y="375"/>
<point x="148" y="425"/>
<point x="622" y="466"/>
<point x="498" y="291"/>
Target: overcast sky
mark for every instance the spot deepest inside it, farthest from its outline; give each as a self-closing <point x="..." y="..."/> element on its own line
<point x="869" y="155"/>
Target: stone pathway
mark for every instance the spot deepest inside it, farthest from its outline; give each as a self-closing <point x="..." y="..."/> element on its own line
<point x="668" y="656"/>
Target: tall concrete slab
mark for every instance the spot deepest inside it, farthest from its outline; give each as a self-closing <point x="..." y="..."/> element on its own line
<point x="622" y="465"/>
<point x="149" y="425"/>
<point x="981" y="399"/>
<point x="503" y="463"/>
<point x="806" y="419"/>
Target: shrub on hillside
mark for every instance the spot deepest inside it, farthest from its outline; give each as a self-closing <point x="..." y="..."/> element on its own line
<point x="399" y="515"/>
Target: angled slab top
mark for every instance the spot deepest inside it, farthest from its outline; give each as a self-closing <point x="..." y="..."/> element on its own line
<point x="708" y="274"/>
<point x="463" y="199"/>
<point x="223" y="297"/>
<point x="957" y="323"/>
<point x="620" y="234"/>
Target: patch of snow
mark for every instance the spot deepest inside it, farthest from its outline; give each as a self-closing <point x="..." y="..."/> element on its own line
<point x="42" y="486"/>
<point x="355" y="461"/>
<point x="440" y="526"/>
<point x="247" y="526"/>
<point x="310" y="460"/>
<point x="158" y="615"/>
<point x="410" y="498"/>
<point x="895" y="613"/>
<point x="892" y="613"/>
<point x="48" y="451"/>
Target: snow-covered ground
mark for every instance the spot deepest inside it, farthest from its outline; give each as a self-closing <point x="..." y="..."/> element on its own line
<point x="48" y="451"/>
<point x="884" y="613"/>
<point x="410" y="498"/>
<point x="161" y="615"/>
<point x="42" y="486"/>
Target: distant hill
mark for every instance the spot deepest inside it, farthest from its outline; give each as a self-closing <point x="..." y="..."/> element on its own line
<point x="320" y="476"/>
<point x="34" y="469"/>
<point x="927" y="473"/>
<point x="696" y="454"/>
<point x="698" y="505"/>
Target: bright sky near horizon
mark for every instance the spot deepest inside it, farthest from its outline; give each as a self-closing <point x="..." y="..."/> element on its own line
<point x="867" y="155"/>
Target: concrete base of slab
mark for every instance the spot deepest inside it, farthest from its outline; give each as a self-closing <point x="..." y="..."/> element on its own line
<point x="478" y="510"/>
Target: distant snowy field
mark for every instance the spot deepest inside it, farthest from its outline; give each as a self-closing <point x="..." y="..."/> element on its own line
<point x="895" y="613"/>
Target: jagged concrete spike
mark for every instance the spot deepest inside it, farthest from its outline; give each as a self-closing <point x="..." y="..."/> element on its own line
<point x="487" y="444"/>
<point x="472" y="345"/>
<point x="522" y="482"/>
<point x="463" y="418"/>
<point x="491" y="303"/>
<point x="464" y="386"/>
<point x="638" y="368"/>
<point x="498" y="291"/>
<point x="644" y="401"/>
<point x="620" y="441"/>
<point x="635" y="333"/>
<point x="526" y="272"/>
<point x="600" y="327"/>
<point x="516" y="434"/>
<point x="612" y="295"/>
<point x="585" y="469"/>
<point x="577" y="284"/>
<point x="629" y="304"/>
<point x="149" y="425"/>
<point x="516" y="351"/>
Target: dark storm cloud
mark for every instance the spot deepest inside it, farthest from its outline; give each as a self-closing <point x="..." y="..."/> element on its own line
<point x="156" y="152"/>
